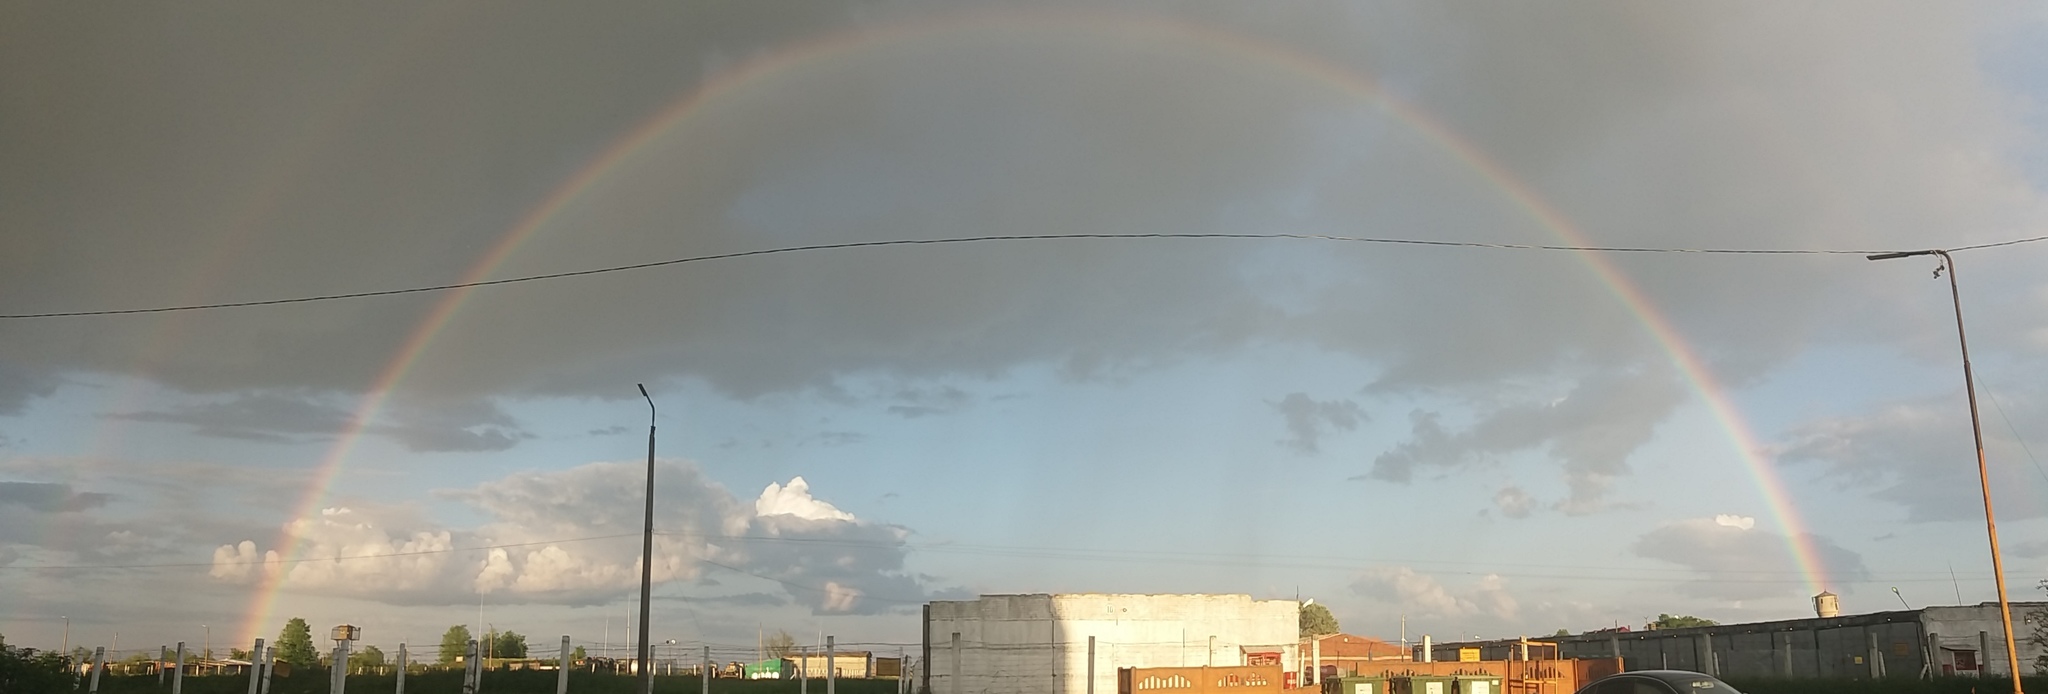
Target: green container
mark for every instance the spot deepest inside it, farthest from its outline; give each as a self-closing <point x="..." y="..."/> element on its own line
<point x="1359" y="685"/>
<point x="1444" y="684"/>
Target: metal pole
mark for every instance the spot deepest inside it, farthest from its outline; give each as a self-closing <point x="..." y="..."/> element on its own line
<point x="647" y="552"/>
<point x="2012" y="657"/>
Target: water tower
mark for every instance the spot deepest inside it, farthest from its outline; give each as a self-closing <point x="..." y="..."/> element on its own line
<point x="1826" y="605"/>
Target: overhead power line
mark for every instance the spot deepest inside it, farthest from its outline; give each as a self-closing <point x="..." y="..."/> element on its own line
<point x="301" y="560"/>
<point x="979" y="239"/>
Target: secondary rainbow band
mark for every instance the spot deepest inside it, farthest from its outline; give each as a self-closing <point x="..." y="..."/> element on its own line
<point x="679" y="112"/>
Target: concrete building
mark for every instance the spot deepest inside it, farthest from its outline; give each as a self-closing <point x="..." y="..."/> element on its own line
<point x="1965" y="640"/>
<point x="1039" y="644"/>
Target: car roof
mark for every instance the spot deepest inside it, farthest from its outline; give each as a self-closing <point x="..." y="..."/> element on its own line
<point x="1679" y="677"/>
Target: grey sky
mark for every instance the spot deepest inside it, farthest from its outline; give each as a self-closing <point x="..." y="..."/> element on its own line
<point x="226" y="152"/>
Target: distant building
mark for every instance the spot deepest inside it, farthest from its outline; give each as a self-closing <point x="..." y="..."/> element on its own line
<point x="1342" y="654"/>
<point x="1966" y="640"/>
<point x="1039" y="644"/>
<point x="848" y="664"/>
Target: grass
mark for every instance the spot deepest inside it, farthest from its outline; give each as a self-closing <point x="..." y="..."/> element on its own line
<point x="504" y="682"/>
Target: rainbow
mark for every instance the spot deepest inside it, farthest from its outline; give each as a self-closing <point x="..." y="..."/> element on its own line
<point x="819" y="50"/>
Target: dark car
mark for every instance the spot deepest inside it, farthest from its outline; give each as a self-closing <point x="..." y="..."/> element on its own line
<point x="1658" y="682"/>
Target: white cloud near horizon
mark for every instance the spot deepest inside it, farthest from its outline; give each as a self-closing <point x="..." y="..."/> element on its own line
<point x="572" y="537"/>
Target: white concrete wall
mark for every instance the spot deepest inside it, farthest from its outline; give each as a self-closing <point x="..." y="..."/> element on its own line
<point x="1958" y="627"/>
<point x="1038" y="644"/>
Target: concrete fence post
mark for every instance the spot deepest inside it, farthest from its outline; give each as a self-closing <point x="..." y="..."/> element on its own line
<point x="704" y="681"/>
<point x="269" y="665"/>
<point x="1091" y="661"/>
<point x="562" y="668"/>
<point x="255" y="666"/>
<point x="803" y="668"/>
<point x="1315" y="661"/>
<point x="401" y="669"/>
<point x="831" y="667"/>
<point x="99" y="662"/>
<point x="1707" y="655"/>
<point x="164" y="654"/>
<point x="469" y="669"/>
<point x="1876" y="667"/>
<point x="1984" y="659"/>
<point x="178" y="675"/>
<point x="1933" y="651"/>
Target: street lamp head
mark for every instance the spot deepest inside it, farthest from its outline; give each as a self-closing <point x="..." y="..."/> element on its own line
<point x="1899" y="254"/>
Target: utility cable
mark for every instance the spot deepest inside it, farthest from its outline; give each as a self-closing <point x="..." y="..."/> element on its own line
<point x="978" y="239"/>
<point x="1988" y="395"/>
<point x="299" y="560"/>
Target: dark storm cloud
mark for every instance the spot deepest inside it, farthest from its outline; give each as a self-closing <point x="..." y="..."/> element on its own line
<point x="923" y="402"/>
<point x="256" y="417"/>
<point x="422" y="426"/>
<point x="1593" y="429"/>
<point x="1309" y="419"/>
<point x="45" y="497"/>
<point x="1737" y="561"/>
<point x="736" y="600"/>
<point x="194" y="155"/>
<point x="19" y="384"/>
<point x="1917" y="454"/>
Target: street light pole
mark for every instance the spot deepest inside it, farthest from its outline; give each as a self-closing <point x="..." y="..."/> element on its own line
<point x="1983" y="472"/>
<point x="647" y="553"/>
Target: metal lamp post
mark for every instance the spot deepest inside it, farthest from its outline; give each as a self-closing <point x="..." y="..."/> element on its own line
<point x="1948" y="263"/>
<point x="647" y="553"/>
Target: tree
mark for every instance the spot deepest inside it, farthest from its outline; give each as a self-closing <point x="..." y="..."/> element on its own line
<point x="2039" y="617"/>
<point x="780" y="644"/>
<point x="1667" y="621"/>
<point x="577" y="655"/>
<point x="508" y="644"/>
<point x="370" y="657"/>
<point x="295" y="644"/>
<point x="238" y="654"/>
<point x="455" y="643"/>
<point x="1563" y="632"/>
<point x="30" y="670"/>
<point x="1316" y="620"/>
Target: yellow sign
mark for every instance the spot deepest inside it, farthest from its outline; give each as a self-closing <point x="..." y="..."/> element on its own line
<point x="1468" y="655"/>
